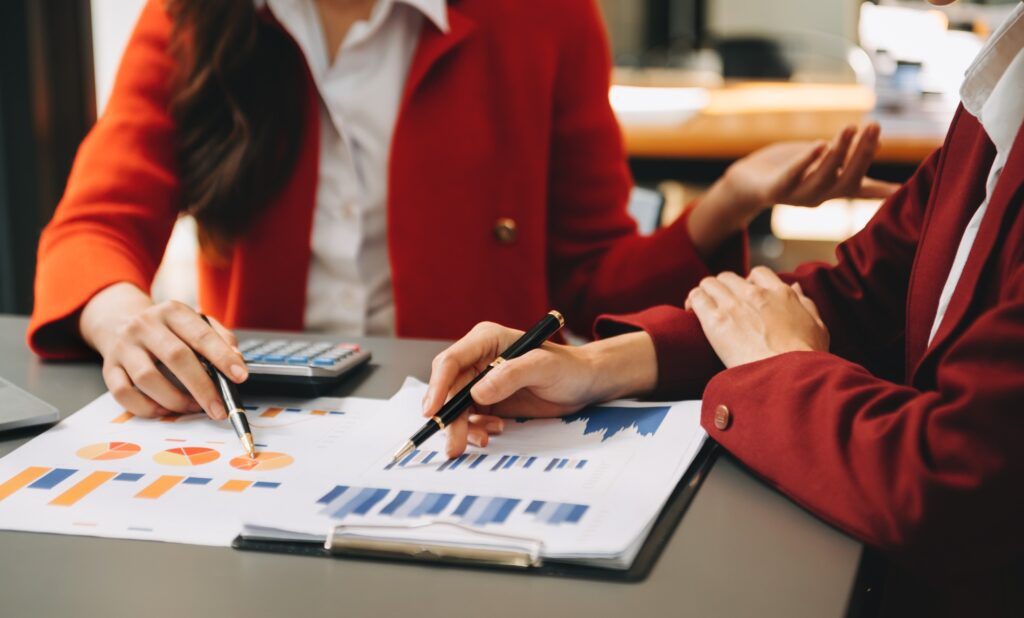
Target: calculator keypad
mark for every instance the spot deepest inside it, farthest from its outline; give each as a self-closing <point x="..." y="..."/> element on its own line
<point x="320" y="354"/>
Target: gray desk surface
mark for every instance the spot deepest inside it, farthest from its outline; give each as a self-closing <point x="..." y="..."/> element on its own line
<point x="741" y="549"/>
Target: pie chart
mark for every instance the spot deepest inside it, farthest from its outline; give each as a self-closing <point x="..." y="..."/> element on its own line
<point x="263" y="461"/>
<point x="186" y="456"/>
<point x="108" y="450"/>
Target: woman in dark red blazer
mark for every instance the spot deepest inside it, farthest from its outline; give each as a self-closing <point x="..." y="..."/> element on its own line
<point x="885" y="393"/>
<point x="506" y="183"/>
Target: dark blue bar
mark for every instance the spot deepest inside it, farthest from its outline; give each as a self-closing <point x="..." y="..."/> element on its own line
<point x="52" y="478"/>
<point x="461" y="458"/>
<point x="250" y="408"/>
<point x="374" y="498"/>
<point x="581" y="463"/>
<point x="562" y="463"/>
<point x="331" y="495"/>
<point x="535" y="506"/>
<point x="476" y="462"/>
<point x="441" y="503"/>
<point x="267" y="484"/>
<point x="129" y="476"/>
<point x="293" y="410"/>
<point x="397" y="502"/>
<point x="409" y="457"/>
<point x="445" y="465"/>
<point x="510" y="462"/>
<point x="577" y="512"/>
<point x="464" y="506"/>
<point x="336" y="412"/>
<point x="551" y="466"/>
<point x="529" y="462"/>
<point x="196" y="480"/>
<point x="500" y="463"/>
<point x="429" y="456"/>
<point x="504" y="511"/>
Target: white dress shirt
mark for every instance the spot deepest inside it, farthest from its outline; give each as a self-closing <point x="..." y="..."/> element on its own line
<point x="360" y="88"/>
<point x="992" y="92"/>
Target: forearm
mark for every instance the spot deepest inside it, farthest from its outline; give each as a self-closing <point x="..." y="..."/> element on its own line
<point x="719" y="214"/>
<point x="107" y="307"/>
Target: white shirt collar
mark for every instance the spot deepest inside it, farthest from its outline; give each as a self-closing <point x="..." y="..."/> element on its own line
<point x="434" y="10"/>
<point x="989" y="66"/>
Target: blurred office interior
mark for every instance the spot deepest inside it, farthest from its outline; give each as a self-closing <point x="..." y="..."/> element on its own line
<point x="697" y="85"/>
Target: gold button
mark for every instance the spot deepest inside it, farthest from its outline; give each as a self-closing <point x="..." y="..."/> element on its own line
<point x="506" y="231"/>
<point x="722" y="418"/>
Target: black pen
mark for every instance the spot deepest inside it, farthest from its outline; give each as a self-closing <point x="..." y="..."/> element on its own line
<point x="233" y="403"/>
<point x="531" y="339"/>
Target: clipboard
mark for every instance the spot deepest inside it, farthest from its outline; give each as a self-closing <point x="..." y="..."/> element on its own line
<point x="339" y="545"/>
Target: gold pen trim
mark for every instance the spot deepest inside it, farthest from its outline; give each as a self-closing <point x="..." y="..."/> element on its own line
<point x="440" y="423"/>
<point x="497" y="361"/>
<point x="558" y="316"/>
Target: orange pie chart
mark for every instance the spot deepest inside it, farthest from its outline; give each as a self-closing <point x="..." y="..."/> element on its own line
<point x="108" y="450"/>
<point x="263" y="461"/>
<point x="186" y="456"/>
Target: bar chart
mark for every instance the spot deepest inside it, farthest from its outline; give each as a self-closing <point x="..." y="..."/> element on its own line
<point x="343" y="502"/>
<point x="607" y="421"/>
<point x="487" y="462"/>
<point x="151" y="486"/>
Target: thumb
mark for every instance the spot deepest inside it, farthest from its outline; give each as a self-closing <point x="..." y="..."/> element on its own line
<point x="808" y="304"/>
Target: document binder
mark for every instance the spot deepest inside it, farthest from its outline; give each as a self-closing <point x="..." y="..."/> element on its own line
<point x="341" y="544"/>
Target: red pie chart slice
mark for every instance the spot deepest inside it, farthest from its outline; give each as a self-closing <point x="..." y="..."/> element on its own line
<point x="186" y="456"/>
<point x="105" y="451"/>
<point x="263" y="461"/>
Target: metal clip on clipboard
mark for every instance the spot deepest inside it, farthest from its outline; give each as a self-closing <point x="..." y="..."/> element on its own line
<point x="342" y="540"/>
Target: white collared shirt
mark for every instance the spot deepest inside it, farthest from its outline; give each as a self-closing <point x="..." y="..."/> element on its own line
<point x="992" y="92"/>
<point x="349" y="288"/>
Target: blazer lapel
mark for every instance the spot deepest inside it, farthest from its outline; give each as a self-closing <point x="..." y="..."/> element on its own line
<point x="435" y="45"/>
<point x="1006" y="194"/>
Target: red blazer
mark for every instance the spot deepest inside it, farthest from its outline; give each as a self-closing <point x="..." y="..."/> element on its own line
<point x="917" y="449"/>
<point x="506" y="116"/>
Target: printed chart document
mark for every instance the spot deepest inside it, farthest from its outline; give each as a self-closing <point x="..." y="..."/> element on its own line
<point x="586" y="487"/>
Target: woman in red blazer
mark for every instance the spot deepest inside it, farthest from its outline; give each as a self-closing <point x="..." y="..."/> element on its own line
<point x="505" y="184"/>
<point x="885" y="393"/>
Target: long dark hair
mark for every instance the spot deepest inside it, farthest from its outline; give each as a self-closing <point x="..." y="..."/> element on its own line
<point x="238" y="110"/>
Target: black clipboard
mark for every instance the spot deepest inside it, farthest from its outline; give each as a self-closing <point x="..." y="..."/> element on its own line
<point x="670" y="515"/>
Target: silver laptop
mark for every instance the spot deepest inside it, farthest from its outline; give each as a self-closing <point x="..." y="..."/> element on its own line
<point x="19" y="409"/>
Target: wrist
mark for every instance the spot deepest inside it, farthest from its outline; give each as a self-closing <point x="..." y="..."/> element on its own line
<point x="98" y="320"/>
<point x="622" y="366"/>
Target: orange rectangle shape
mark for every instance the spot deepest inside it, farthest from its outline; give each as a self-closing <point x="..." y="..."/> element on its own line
<point x="271" y="412"/>
<point x="21" y="479"/>
<point x="235" y="485"/>
<point x="318" y="412"/>
<point x="160" y="486"/>
<point x="83" y="488"/>
<point x="124" y="418"/>
<point x="170" y="418"/>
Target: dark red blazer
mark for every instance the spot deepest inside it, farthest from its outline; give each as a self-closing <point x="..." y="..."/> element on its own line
<point x="917" y="449"/>
<point x="506" y="116"/>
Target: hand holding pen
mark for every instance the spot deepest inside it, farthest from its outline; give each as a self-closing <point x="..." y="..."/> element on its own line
<point x="470" y="368"/>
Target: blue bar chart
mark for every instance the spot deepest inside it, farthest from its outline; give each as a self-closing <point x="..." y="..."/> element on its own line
<point x="343" y="502"/>
<point x="486" y="462"/>
<point x="607" y="421"/>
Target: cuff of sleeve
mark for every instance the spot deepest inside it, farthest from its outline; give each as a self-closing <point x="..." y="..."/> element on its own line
<point x="685" y="359"/>
<point x="67" y="277"/>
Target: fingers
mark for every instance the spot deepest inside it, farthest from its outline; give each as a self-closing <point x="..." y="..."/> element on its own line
<point x="128" y="396"/>
<point x="457" y="433"/>
<point x="477" y="348"/>
<point x="205" y="340"/>
<point x="491" y="424"/>
<point x="177" y="356"/>
<point x="509" y="377"/>
<point x="856" y="167"/>
<point x="765" y="278"/>
<point x="792" y="175"/>
<point x="820" y="179"/>
<point x="224" y="333"/>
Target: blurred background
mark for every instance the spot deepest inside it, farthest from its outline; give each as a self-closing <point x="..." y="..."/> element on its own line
<point x="698" y="84"/>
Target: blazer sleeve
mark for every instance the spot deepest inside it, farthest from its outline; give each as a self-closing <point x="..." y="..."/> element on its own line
<point x="934" y="477"/>
<point x="861" y="299"/>
<point x="598" y="263"/>
<point x="120" y="204"/>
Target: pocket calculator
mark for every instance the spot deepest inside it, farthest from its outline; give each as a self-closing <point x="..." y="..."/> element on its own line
<point x="294" y="367"/>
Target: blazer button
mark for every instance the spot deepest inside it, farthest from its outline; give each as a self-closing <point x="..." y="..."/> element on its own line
<point x="506" y="231"/>
<point x="723" y="418"/>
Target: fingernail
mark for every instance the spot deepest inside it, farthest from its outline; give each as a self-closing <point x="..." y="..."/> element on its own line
<point x="217" y="410"/>
<point x="495" y="426"/>
<point x="239" y="372"/>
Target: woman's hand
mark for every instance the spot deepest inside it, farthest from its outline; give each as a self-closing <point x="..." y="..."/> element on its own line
<point x="550" y="381"/>
<point x="748" y="320"/>
<point x="132" y="333"/>
<point x="797" y="173"/>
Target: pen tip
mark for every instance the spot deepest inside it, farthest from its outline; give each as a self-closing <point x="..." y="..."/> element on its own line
<point x="402" y="452"/>
<point x="250" y="445"/>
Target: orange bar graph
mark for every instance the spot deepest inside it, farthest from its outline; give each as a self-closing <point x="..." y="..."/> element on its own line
<point x="235" y="485"/>
<point x="83" y="488"/>
<point x="21" y="479"/>
<point x="170" y="418"/>
<point x="271" y="412"/>
<point x="159" y="487"/>
<point x="124" y="418"/>
<point x="318" y="412"/>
